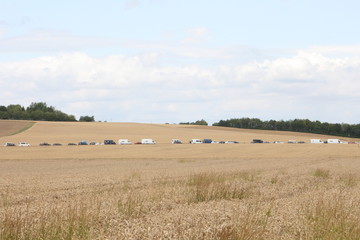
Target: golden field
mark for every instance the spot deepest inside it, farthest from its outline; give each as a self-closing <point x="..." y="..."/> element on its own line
<point x="165" y="191"/>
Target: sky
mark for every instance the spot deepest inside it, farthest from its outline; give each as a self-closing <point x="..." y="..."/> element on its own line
<point x="171" y="61"/>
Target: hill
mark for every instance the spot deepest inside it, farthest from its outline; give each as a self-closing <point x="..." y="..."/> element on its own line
<point x="66" y="132"/>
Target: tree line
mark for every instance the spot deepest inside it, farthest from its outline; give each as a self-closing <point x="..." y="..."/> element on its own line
<point x="296" y="125"/>
<point x="198" y="122"/>
<point x="38" y="111"/>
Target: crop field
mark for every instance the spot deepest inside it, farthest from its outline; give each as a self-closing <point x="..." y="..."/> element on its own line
<point x="170" y="191"/>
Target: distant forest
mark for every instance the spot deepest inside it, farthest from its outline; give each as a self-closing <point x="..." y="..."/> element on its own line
<point x="296" y="125"/>
<point x="198" y="122"/>
<point x="38" y="111"/>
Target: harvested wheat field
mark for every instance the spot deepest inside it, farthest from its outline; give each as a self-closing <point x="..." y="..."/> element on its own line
<point x="165" y="191"/>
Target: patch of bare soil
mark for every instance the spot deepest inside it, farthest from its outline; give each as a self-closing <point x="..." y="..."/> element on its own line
<point x="9" y="127"/>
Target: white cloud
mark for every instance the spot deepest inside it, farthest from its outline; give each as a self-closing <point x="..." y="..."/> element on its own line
<point x="132" y="3"/>
<point x="51" y="41"/>
<point x="196" y="35"/>
<point x="142" y="88"/>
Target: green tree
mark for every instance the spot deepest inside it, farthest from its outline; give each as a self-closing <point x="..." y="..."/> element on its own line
<point x="15" y="111"/>
<point x="42" y="106"/>
<point x="200" y="122"/>
<point x="87" y="119"/>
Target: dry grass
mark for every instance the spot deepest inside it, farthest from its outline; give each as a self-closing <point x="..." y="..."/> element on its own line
<point x="204" y="205"/>
<point x="322" y="173"/>
<point x="333" y="217"/>
<point x="217" y="186"/>
<point x="177" y="191"/>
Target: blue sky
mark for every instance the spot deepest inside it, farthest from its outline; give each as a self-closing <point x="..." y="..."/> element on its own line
<point x="171" y="61"/>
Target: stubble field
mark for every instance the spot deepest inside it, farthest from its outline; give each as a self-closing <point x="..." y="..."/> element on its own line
<point x="165" y="191"/>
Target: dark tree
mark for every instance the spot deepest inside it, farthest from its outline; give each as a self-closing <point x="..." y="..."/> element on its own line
<point x="296" y="125"/>
<point x="87" y="119"/>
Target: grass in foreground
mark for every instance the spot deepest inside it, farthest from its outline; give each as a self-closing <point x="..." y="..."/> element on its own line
<point x="206" y="205"/>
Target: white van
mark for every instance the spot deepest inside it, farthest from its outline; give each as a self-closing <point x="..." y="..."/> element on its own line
<point x="124" y="142"/>
<point x="334" y="141"/>
<point x="147" y="141"/>
<point x="195" y="141"/>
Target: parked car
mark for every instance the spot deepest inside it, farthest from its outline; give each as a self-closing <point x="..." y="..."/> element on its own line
<point x="57" y="144"/>
<point x="195" y="141"/>
<point x="137" y="143"/>
<point x="71" y="144"/>
<point x="23" y="144"/>
<point x="176" y="141"/>
<point x="257" y="141"/>
<point x="207" y="140"/>
<point x="44" y="144"/>
<point x="9" y="144"/>
<point x="231" y="142"/>
<point x="109" y="142"/>
<point x="83" y="142"/>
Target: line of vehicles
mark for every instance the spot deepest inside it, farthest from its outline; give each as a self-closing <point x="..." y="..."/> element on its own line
<point x="178" y="141"/>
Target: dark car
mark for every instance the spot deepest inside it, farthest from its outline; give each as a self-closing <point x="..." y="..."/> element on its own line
<point x="207" y="140"/>
<point x="83" y="142"/>
<point x="109" y="142"/>
<point x="257" y="141"/>
<point x="9" y="144"/>
<point x="44" y="144"/>
<point x="57" y="144"/>
<point x="71" y="144"/>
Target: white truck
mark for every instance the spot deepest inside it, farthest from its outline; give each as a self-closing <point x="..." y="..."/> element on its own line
<point x="147" y="141"/>
<point x="195" y="141"/>
<point x="316" y="141"/>
<point x="334" y="141"/>
<point x="124" y="142"/>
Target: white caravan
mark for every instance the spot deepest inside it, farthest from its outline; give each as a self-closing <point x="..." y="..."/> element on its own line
<point x="124" y="142"/>
<point x="316" y="141"/>
<point x="195" y="141"/>
<point x="23" y="144"/>
<point x="147" y="141"/>
<point x="334" y="141"/>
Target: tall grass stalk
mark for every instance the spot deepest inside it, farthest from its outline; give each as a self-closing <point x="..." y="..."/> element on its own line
<point x="215" y="186"/>
<point x="247" y="225"/>
<point x="333" y="218"/>
<point x="71" y="222"/>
